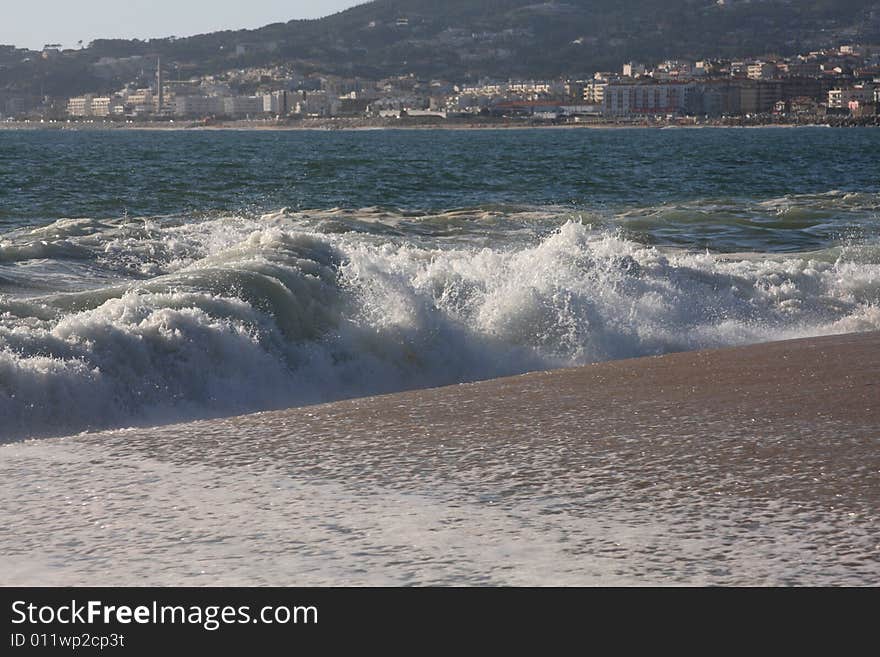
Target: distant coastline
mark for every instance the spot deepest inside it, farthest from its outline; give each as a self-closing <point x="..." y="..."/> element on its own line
<point x="360" y="124"/>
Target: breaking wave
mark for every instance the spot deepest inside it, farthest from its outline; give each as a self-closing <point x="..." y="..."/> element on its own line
<point x="178" y="320"/>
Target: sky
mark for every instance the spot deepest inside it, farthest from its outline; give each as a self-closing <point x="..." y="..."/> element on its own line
<point x="34" y="23"/>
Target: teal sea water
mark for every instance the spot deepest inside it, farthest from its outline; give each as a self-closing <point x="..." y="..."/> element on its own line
<point x="756" y="190"/>
<point x="147" y="277"/>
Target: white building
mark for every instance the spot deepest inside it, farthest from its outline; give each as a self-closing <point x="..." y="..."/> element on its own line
<point x="140" y="101"/>
<point x="702" y="68"/>
<point x="486" y="90"/>
<point x="101" y="106"/>
<point x="594" y="92"/>
<point x="198" y="106"/>
<point x="90" y="105"/>
<point x="649" y="99"/>
<point x="239" y="107"/>
<point x="315" y="103"/>
<point x="533" y="90"/>
<point x="633" y="70"/>
<point x="761" y="70"/>
<point x="841" y="98"/>
<point x="277" y="103"/>
<point x="581" y="110"/>
<point x="80" y="106"/>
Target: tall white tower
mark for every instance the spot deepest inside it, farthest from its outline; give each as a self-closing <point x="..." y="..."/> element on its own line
<point x="160" y="87"/>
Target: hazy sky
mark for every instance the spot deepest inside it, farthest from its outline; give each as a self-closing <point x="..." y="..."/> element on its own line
<point x="33" y="23"/>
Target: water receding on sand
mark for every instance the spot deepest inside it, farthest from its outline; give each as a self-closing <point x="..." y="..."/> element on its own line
<point x="739" y="467"/>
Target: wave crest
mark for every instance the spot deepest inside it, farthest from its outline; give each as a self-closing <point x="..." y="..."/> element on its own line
<point x="251" y="314"/>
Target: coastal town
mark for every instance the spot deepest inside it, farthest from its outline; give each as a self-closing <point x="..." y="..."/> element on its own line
<point x="837" y="86"/>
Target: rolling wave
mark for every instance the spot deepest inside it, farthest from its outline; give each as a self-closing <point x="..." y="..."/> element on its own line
<point x="178" y="320"/>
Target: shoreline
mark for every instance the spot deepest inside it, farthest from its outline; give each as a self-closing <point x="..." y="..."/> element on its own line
<point x="751" y="465"/>
<point x="672" y="376"/>
<point x="344" y="125"/>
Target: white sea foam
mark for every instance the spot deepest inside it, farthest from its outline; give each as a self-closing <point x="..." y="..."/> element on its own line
<point x="227" y="315"/>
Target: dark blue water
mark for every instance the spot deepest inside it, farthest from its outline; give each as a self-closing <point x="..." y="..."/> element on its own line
<point x="53" y="174"/>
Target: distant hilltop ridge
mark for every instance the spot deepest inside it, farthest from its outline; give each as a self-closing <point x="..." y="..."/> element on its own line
<point x="464" y="40"/>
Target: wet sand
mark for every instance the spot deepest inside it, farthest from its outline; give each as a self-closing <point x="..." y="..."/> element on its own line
<point x="757" y="465"/>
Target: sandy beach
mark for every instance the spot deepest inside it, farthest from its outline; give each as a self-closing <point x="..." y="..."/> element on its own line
<point x="746" y="466"/>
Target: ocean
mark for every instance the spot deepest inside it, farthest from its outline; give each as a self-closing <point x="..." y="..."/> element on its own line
<point x="151" y="277"/>
<point x="200" y="333"/>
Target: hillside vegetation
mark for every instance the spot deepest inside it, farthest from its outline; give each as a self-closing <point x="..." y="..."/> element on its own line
<point x="469" y="39"/>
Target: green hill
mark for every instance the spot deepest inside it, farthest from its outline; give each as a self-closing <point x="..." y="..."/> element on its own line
<point x="468" y="39"/>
